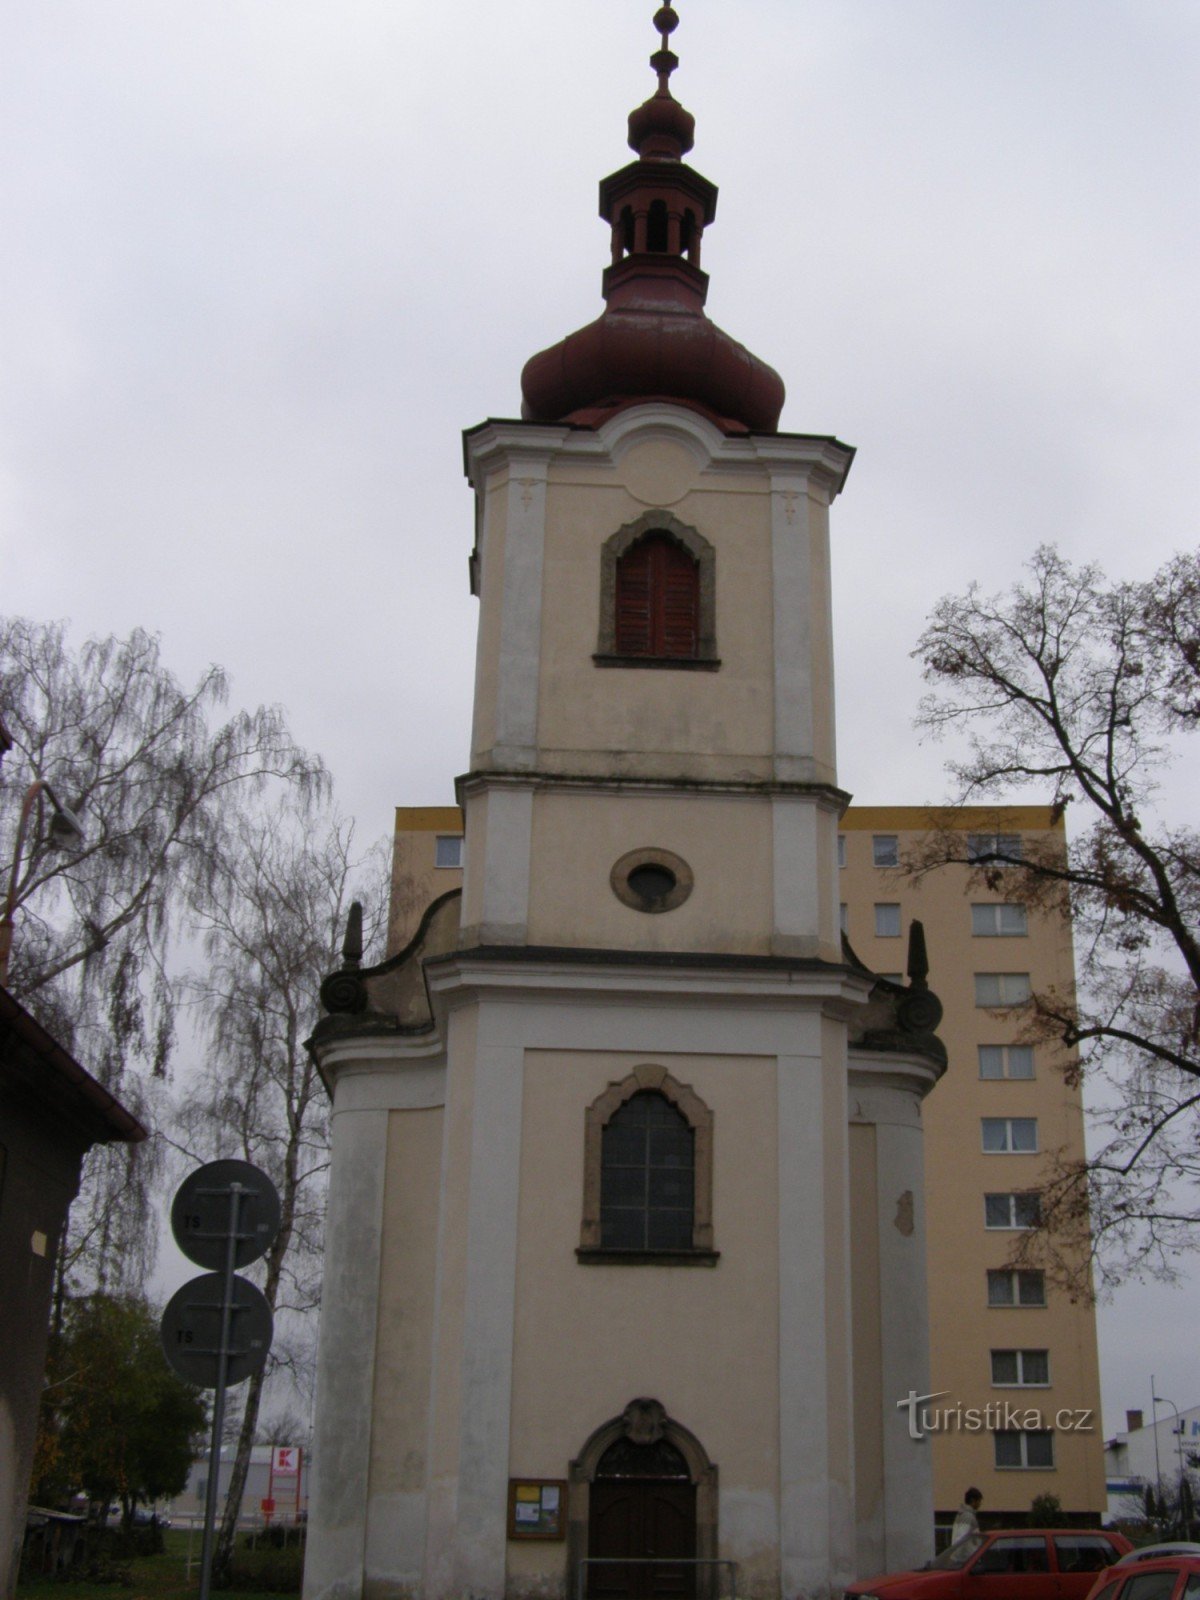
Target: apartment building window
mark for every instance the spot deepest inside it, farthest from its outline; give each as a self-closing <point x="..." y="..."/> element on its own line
<point x="1005" y="1061"/>
<point x="995" y="989"/>
<point x="887" y="921"/>
<point x="999" y="921"/>
<point x="1021" y="1369"/>
<point x="885" y="850"/>
<point x="844" y="917"/>
<point x="1009" y="1286"/>
<point x="1019" y="1210"/>
<point x="1029" y="1450"/>
<point x="841" y="849"/>
<point x="1010" y="1135"/>
<point x="986" y="846"/>
<point x="447" y="852"/>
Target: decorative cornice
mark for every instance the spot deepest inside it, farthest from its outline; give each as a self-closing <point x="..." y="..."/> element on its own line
<point x="517" y="972"/>
<point x="492" y="443"/>
<point x="825" y="794"/>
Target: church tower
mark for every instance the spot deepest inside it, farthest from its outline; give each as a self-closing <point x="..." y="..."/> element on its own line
<point x="625" y="1255"/>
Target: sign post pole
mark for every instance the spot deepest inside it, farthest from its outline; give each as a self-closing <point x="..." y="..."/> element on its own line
<point x="218" y="1424"/>
<point x="224" y="1216"/>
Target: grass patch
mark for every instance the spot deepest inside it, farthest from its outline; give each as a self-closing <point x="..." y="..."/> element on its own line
<point x="259" y="1574"/>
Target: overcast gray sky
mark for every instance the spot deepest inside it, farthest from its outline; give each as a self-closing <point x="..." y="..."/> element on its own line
<point x="264" y="260"/>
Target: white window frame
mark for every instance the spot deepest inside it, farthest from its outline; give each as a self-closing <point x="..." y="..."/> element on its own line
<point x="887" y="907"/>
<point x="885" y="845"/>
<point x="1024" y="1465"/>
<point x="1012" y="1197"/>
<point x="1020" y="1381"/>
<point x="448" y="839"/>
<point x="986" y="844"/>
<point x="999" y="919"/>
<point x="1003" y="981"/>
<point x="841" y="857"/>
<point x="1013" y="1276"/>
<point x="1004" y="1055"/>
<point x="1005" y="1128"/>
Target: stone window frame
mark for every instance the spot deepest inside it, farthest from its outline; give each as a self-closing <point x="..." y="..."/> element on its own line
<point x="651" y="856"/>
<point x="701" y="551"/>
<point x="648" y="1078"/>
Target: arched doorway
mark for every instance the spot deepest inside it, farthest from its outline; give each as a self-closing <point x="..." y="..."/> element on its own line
<point x="643" y="1510"/>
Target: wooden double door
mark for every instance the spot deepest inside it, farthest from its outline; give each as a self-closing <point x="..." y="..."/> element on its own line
<point x="648" y="1527"/>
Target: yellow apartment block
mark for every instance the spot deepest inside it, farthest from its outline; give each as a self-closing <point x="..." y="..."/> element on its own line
<point x="1004" y="1343"/>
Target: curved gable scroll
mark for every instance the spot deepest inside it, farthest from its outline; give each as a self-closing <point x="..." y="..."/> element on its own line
<point x="688" y="540"/>
<point x="648" y="1078"/>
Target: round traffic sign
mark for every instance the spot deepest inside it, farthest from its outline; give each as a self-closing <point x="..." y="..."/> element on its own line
<point x="191" y="1329"/>
<point x="203" y="1212"/>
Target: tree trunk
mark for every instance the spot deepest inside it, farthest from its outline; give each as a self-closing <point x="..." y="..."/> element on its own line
<point x="60" y="1277"/>
<point x="223" y="1554"/>
<point x="254" y="1388"/>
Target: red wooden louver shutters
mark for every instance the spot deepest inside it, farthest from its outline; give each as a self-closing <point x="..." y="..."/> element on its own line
<point x="657" y="600"/>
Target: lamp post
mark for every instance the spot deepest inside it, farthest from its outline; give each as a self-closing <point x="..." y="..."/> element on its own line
<point x="1160" y="1400"/>
<point x="64" y="832"/>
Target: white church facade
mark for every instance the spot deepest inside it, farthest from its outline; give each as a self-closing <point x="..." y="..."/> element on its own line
<point x="625" y="1261"/>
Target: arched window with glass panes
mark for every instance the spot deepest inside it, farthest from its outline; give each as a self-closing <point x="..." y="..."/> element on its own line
<point x="647" y="1177"/>
<point x="648" y="1171"/>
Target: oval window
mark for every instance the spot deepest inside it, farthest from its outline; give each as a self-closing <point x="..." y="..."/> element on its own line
<point x="651" y="880"/>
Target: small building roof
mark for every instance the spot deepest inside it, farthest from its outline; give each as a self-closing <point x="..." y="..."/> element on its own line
<point x="35" y="1065"/>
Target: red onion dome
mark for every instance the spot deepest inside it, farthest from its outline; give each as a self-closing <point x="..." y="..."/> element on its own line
<point x="653" y="340"/>
<point x="632" y="355"/>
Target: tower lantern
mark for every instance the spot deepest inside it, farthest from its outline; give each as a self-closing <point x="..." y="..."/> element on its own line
<point x="653" y="340"/>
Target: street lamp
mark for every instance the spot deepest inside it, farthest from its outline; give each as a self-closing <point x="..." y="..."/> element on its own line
<point x="1159" y="1400"/>
<point x="63" y="832"/>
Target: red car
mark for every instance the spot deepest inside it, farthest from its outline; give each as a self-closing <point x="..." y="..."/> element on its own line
<point x="1160" y="1578"/>
<point x="1009" y="1564"/>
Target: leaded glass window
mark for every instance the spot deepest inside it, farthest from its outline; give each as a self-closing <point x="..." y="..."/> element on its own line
<point x="647" y="1176"/>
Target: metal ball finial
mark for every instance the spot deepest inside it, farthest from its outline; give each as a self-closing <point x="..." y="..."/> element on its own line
<point x="664" y="60"/>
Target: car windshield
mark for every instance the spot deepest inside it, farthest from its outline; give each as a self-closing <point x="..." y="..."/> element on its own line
<point x="957" y="1555"/>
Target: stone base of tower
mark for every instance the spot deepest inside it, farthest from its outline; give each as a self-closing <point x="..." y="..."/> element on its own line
<point x="732" y="1397"/>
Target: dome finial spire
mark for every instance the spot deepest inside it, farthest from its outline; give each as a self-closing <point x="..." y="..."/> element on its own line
<point x="661" y="129"/>
<point x="653" y="341"/>
<point x="664" y="60"/>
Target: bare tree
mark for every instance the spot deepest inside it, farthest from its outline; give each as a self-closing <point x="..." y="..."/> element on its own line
<point x="151" y="768"/>
<point x="1083" y="688"/>
<point x="274" y="913"/>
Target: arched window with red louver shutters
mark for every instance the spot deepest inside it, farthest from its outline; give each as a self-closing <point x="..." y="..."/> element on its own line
<point x="658" y="599"/>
